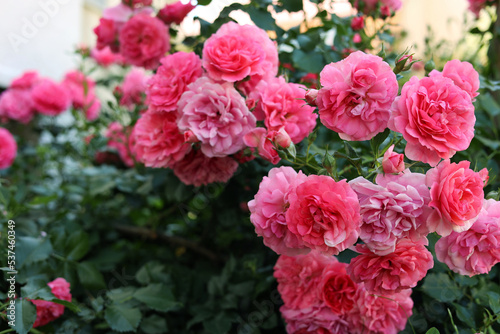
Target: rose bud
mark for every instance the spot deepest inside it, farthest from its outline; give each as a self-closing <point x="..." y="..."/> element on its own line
<point x="393" y="162"/>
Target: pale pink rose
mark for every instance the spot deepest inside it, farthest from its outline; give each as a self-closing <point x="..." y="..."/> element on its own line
<point x="391" y="273"/>
<point x="197" y="169"/>
<point x="144" y="40"/>
<point x="119" y="139"/>
<point x="380" y="314"/>
<point x="157" y="140"/>
<point x="435" y="116"/>
<point x="268" y="210"/>
<point x="316" y="320"/>
<point x="324" y="214"/>
<point x="476" y="250"/>
<point x="16" y="104"/>
<point x="463" y="75"/>
<point x="26" y="81"/>
<point x="356" y="96"/>
<point x="105" y="57"/>
<point x="134" y="88"/>
<point x="50" y="98"/>
<point x="282" y="105"/>
<point x="337" y="289"/>
<point x="237" y="51"/>
<point x="49" y="311"/>
<point x="175" y="12"/>
<point x="456" y="195"/>
<point x="395" y="207"/>
<point x="176" y="72"/>
<point x="217" y="115"/>
<point x="393" y="162"/>
<point x="8" y="149"/>
<point x="264" y="142"/>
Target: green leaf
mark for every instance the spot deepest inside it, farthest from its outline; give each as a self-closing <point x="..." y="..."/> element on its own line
<point x="89" y="276"/>
<point x="494" y="301"/>
<point x="121" y="295"/>
<point x="221" y="324"/>
<point x="292" y="5"/>
<point x="465" y="315"/>
<point x="69" y="305"/>
<point x="37" y="289"/>
<point x="441" y="287"/>
<point x="154" y="325"/>
<point x="25" y="316"/>
<point x="433" y="330"/>
<point x="122" y="318"/>
<point x="30" y="250"/>
<point x="376" y="141"/>
<point x="39" y="200"/>
<point x="159" y="297"/>
<point x="311" y="62"/>
<point x="204" y="2"/>
<point x="77" y="245"/>
<point x="489" y="104"/>
<point x="262" y="18"/>
<point x="151" y="272"/>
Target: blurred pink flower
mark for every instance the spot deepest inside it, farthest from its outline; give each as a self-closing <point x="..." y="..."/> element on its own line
<point x="8" y="149"/>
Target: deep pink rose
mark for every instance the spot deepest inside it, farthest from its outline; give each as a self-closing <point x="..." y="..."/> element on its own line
<point x="356" y="96"/>
<point x="197" y="169"/>
<point x="380" y="314"/>
<point x="49" y="311"/>
<point x="393" y="162"/>
<point x="395" y="207"/>
<point x="476" y="250"/>
<point x="134" y="88"/>
<point x="357" y="23"/>
<point x="144" y="40"/>
<point x="316" y="320"/>
<point x="119" y="139"/>
<point x="337" y="289"/>
<point x="158" y="141"/>
<point x="107" y="34"/>
<point x="175" y="12"/>
<point x="281" y="105"/>
<point x="16" y="104"/>
<point x="463" y="75"/>
<point x="105" y="57"/>
<point x="26" y="81"/>
<point x="235" y="52"/>
<point x="82" y="92"/>
<point x="475" y="6"/>
<point x="217" y="115"/>
<point x="268" y="210"/>
<point x="435" y="116"/>
<point x="50" y="98"/>
<point x="391" y="273"/>
<point x="176" y="72"/>
<point x="8" y="149"/>
<point x="324" y="214"/>
<point x="456" y="196"/>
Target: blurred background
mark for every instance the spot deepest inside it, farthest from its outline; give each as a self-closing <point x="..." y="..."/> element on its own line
<point x="42" y="34"/>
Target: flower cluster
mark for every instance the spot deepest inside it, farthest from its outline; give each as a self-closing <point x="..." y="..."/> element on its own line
<point x="47" y="311"/>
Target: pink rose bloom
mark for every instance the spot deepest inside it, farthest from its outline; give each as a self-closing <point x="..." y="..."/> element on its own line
<point x="175" y="12"/>
<point x="476" y="250"/>
<point x="137" y="3"/>
<point x="26" y="81"/>
<point x="235" y="52"/>
<point x="475" y="6"/>
<point x="158" y="141"/>
<point x="197" y="169"/>
<point x="268" y="210"/>
<point x="357" y="23"/>
<point x="50" y="98"/>
<point x="380" y="314"/>
<point x="281" y="104"/>
<point x="317" y="320"/>
<point x="119" y="140"/>
<point x="107" y="34"/>
<point x="337" y="290"/>
<point x="217" y="115"/>
<point x="176" y="72"/>
<point x="49" y="311"/>
<point x="134" y="88"/>
<point x="391" y="273"/>
<point x="144" y="40"/>
<point x="395" y="207"/>
<point x="356" y="96"/>
<point x="456" y="195"/>
<point x="16" y="104"/>
<point x="264" y="142"/>
<point x="393" y="162"/>
<point x="435" y="116"/>
<point x="324" y="214"/>
<point x="105" y="57"/>
<point x="8" y="149"/>
<point x="463" y="75"/>
<point x="82" y="92"/>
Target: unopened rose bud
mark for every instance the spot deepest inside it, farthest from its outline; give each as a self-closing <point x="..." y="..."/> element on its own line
<point x="282" y="138"/>
<point x="189" y="137"/>
<point x="403" y="64"/>
<point x="357" y="38"/>
<point x="311" y="96"/>
<point x="357" y="23"/>
<point x="393" y="162"/>
<point x="385" y="11"/>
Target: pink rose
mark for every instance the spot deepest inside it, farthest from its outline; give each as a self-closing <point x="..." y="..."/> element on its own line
<point x="26" y="81"/>
<point x="82" y="92"/>
<point x="391" y="273"/>
<point x="435" y="116"/>
<point x="395" y="207"/>
<point x="324" y="214"/>
<point x="158" y="141"/>
<point x="268" y="210"/>
<point x="16" y="104"/>
<point x="176" y="72"/>
<point x="235" y="52"/>
<point x="49" y="311"/>
<point x="50" y="98"/>
<point x="217" y="115"/>
<point x="456" y="196"/>
<point x="337" y="290"/>
<point x="317" y="320"/>
<point x="281" y="104"/>
<point x="105" y="57"/>
<point x="197" y="169"/>
<point x="119" y="139"/>
<point x="8" y="149"/>
<point x="144" y="40"/>
<point x="264" y="142"/>
<point x="175" y="12"/>
<point x="475" y="6"/>
<point x="476" y="250"/>
<point x="356" y="96"/>
<point x="463" y="75"/>
<point x="357" y="23"/>
<point x="107" y="34"/>
<point x="393" y="162"/>
<point x="357" y="38"/>
<point x="134" y="88"/>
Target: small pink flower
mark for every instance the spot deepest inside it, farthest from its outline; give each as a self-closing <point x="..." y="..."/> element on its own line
<point x="391" y="273"/>
<point x="105" y="57"/>
<point x="26" y="81"/>
<point x="324" y="214"/>
<point x="144" y="40"/>
<point x="217" y="115"/>
<point x="357" y="23"/>
<point x="119" y="139"/>
<point x="268" y="210"/>
<point x="356" y="38"/>
<point x="356" y="96"/>
<point x="175" y="12"/>
<point x="456" y="196"/>
<point x="463" y="75"/>
<point x="50" y="98"/>
<point x="49" y="311"/>
<point x="107" y="34"/>
<point x="134" y="88"/>
<point x="8" y="149"/>
<point x="476" y="250"/>
<point x="82" y="92"/>
<point x="16" y="104"/>
<point x="393" y="162"/>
